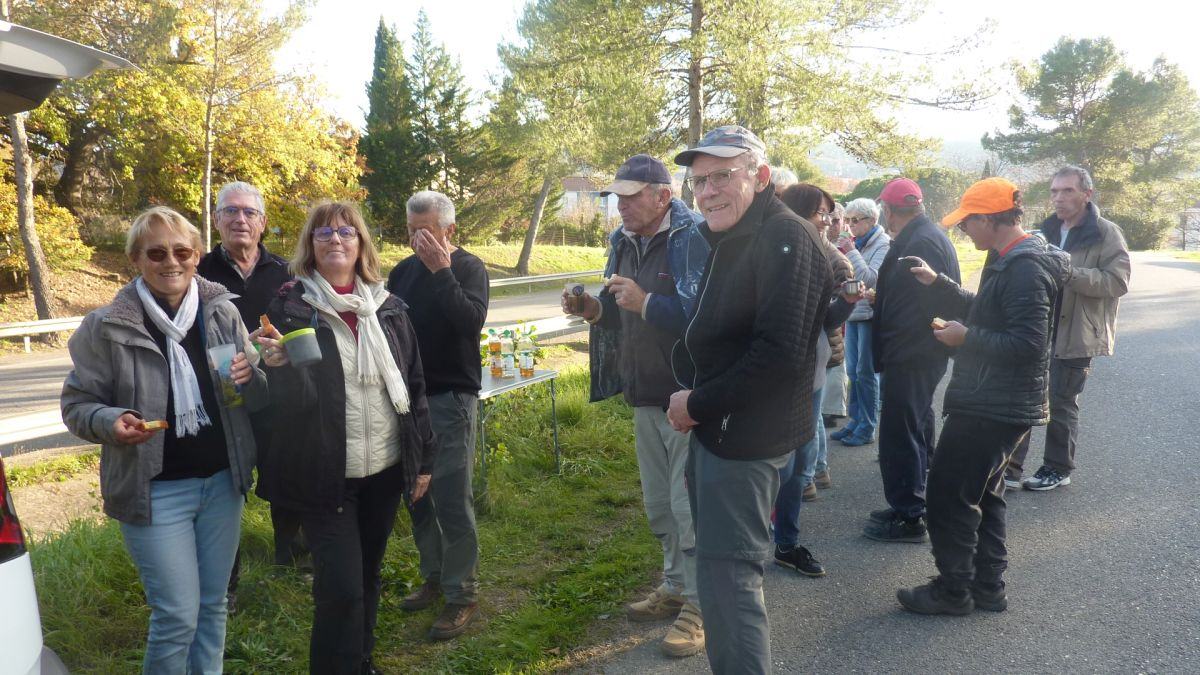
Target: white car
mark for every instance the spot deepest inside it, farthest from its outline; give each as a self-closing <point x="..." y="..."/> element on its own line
<point x="20" y="623"/>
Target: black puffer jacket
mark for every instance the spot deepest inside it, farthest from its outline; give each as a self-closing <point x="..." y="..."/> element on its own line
<point x="749" y="352"/>
<point x="1000" y="372"/>
<point x="304" y="468"/>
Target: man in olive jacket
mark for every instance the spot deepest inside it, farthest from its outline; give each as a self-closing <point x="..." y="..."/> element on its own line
<point x="746" y="361"/>
<point x="1086" y="319"/>
<point x="997" y="392"/>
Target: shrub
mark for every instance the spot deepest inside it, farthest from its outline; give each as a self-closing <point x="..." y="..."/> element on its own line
<point x="57" y="229"/>
<point x="1143" y="233"/>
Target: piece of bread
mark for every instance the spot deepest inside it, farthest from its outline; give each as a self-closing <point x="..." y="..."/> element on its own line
<point x="937" y="324"/>
<point x="263" y="321"/>
<point x="153" y="425"/>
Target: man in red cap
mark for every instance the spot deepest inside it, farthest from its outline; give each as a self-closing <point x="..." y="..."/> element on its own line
<point x="910" y="360"/>
<point x="997" y="392"/>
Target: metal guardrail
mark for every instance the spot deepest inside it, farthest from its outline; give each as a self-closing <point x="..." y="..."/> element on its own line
<point x="27" y="329"/>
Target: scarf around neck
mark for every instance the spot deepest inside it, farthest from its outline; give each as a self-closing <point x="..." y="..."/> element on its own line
<point x="375" y="360"/>
<point x="189" y="407"/>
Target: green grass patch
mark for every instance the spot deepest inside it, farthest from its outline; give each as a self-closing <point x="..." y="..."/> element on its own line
<point x="501" y="259"/>
<point x="557" y="552"/>
<point x="1186" y="255"/>
<point x="55" y="469"/>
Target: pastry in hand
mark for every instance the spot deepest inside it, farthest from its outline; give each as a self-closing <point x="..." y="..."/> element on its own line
<point x="937" y="324"/>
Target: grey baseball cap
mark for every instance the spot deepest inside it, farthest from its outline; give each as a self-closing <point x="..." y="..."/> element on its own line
<point x="730" y="140"/>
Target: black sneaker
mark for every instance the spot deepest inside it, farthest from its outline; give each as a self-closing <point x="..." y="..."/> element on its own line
<point x="936" y="598"/>
<point x="1046" y="478"/>
<point x="898" y="530"/>
<point x="989" y="597"/>
<point x="799" y="559"/>
<point x="882" y="515"/>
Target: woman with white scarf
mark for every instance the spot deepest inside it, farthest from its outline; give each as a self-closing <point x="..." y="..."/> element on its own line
<point x="177" y="491"/>
<point x="351" y="434"/>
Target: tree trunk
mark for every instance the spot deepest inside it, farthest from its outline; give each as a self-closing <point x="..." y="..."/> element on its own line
<point x="39" y="280"/>
<point x="539" y="207"/>
<point x="208" y="153"/>
<point x="68" y="193"/>
<point x="695" y="107"/>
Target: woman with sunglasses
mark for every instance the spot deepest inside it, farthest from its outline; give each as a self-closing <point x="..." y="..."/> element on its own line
<point x="177" y="489"/>
<point x="352" y="433"/>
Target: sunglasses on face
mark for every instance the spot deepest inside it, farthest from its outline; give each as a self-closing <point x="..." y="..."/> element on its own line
<point x="159" y="254"/>
<point x="326" y="233"/>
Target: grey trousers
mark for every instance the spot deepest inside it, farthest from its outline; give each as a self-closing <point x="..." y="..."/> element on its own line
<point x="1067" y="377"/>
<point x="444" y="520"/>
<point x="731" y="505"/>
<point x="662" y="456"/>
<point x="833" y="396"/>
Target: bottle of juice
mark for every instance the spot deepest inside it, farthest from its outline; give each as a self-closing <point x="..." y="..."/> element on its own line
<point x="525" y="355"/>
<point x="508" y="359"/>
<point x="494" y="359"/>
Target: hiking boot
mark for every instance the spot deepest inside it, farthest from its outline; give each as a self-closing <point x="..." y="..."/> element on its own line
<point x="882" y="515"/>
<point x="898" y="530"/>
<point x="856" y="440"/>
<point x="1012" y="482"/>
<point x="1046" y="478"/>
<point x="844" y="432"/>
<point x="659" y="604"/>
<point x="822" y="480"/>
<point x="686" y="635"/>
<point x="989" y="597"/>
<point x="425" y="595"/>
<point x="810" y="493"/>
<point x="799" y="559"/>
<point x="452" y="621"/>
<point x="936" y="597"/>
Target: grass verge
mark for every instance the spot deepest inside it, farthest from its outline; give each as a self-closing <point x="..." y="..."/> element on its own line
<point x="558" y="552"/>
<point x="1186" y="255"/>
<point x="55" y="469"/>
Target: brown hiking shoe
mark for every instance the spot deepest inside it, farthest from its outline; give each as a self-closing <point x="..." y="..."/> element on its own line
<point x="810" y="493"/>
<point x="822" y="480"/>
<point x="659" y="604"/>
<point x="686" y="636"/>
<point x="425" y="595"/>
<point x="452" y="621"/>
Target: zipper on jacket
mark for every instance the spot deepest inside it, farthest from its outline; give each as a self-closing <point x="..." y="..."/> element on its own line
<point x="699" y="303"/>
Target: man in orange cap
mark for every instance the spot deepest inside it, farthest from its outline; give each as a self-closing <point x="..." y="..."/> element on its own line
<point x="996" y="393"/>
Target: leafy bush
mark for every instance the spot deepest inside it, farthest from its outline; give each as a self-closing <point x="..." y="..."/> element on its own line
<point x="1143" y="233"/>
<point x="57" y="229"/>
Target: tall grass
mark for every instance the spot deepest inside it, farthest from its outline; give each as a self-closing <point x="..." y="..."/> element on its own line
<point x="557" y="551"/>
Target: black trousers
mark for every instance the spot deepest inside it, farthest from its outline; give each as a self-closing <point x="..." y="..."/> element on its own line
<point x="906" y="435"/>
<point x="966" y="499"/>
<point x="347" y="549"/>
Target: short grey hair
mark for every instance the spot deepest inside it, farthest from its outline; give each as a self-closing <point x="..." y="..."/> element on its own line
<point x="783" y="177"/>
<point x="1085" y="178"/>
<point x="241" y="187"/>
<point x="864" y="206"/>
<point x="656" y="187"/>
<point x="838" y="207"/>
<point x="428" y="200"/>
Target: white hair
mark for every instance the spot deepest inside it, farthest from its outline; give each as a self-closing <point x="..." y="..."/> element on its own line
<point x="865" y="206"/>
<point x="240" y="187"/>
<point x="427" y="200"/>
<point x="783" y="177"/>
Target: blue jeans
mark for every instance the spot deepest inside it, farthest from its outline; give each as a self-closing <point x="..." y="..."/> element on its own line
<point x="794" y="477"/>
<point x="184" y="557"/>
<point x="864" y="381"/>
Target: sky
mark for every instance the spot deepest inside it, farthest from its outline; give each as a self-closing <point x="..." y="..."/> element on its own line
<point x="337" y="45"/>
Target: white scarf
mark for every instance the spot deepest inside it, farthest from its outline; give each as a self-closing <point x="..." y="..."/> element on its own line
<point x="375" y="359"/>
<point x="189" y="407"/>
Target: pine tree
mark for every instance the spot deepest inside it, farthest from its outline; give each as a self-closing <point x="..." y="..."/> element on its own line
<point x="395" y="155"/>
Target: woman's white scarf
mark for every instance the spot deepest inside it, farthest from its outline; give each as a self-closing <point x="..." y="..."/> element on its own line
<point x="189" y="408"/>
<point x="375" y="359"/>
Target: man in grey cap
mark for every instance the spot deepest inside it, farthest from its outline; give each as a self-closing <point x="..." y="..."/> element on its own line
<point x="747" y="358"/>
<point x="655" y="263"/>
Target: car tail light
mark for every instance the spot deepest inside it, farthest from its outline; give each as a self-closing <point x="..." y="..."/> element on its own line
<point x="12" y="542"/>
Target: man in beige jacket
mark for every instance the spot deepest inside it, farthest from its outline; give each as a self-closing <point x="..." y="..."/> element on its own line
<point x="1085" y="321"/>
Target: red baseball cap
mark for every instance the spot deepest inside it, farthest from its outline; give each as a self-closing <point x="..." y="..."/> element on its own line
<point x="901" y="192"/>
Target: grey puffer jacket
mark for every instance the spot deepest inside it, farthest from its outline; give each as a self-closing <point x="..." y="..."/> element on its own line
<point x="1000" y="372"/>
<point x="118" y="368"/>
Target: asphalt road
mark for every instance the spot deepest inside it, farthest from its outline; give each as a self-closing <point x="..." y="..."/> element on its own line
<point x="1104" y="573"/>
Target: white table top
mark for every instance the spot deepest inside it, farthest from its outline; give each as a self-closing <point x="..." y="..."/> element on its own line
<point x="494" y="386"/>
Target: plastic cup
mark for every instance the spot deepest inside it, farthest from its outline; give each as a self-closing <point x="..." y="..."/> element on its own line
<point x="852" y="287"/>
<point x="220" y="358"/>
<point x="302" y="347"/>
<point x="574" y="291"/>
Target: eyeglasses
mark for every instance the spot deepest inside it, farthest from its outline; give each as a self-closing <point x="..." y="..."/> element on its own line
<point x="824" y="215"/>
<point x="854" y="220"/>
<point x="719" y="178"/>
<point x="962" y="224"/>
<point x="181" y="253"/>
<point x="345" y="232"/>
<point x="233" y="211"/>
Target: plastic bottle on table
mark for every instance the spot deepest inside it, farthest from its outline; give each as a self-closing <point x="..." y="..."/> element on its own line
<point x="525" y="355"/>
<point x="495" y="360"/>
<point x="508" y="361"/>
